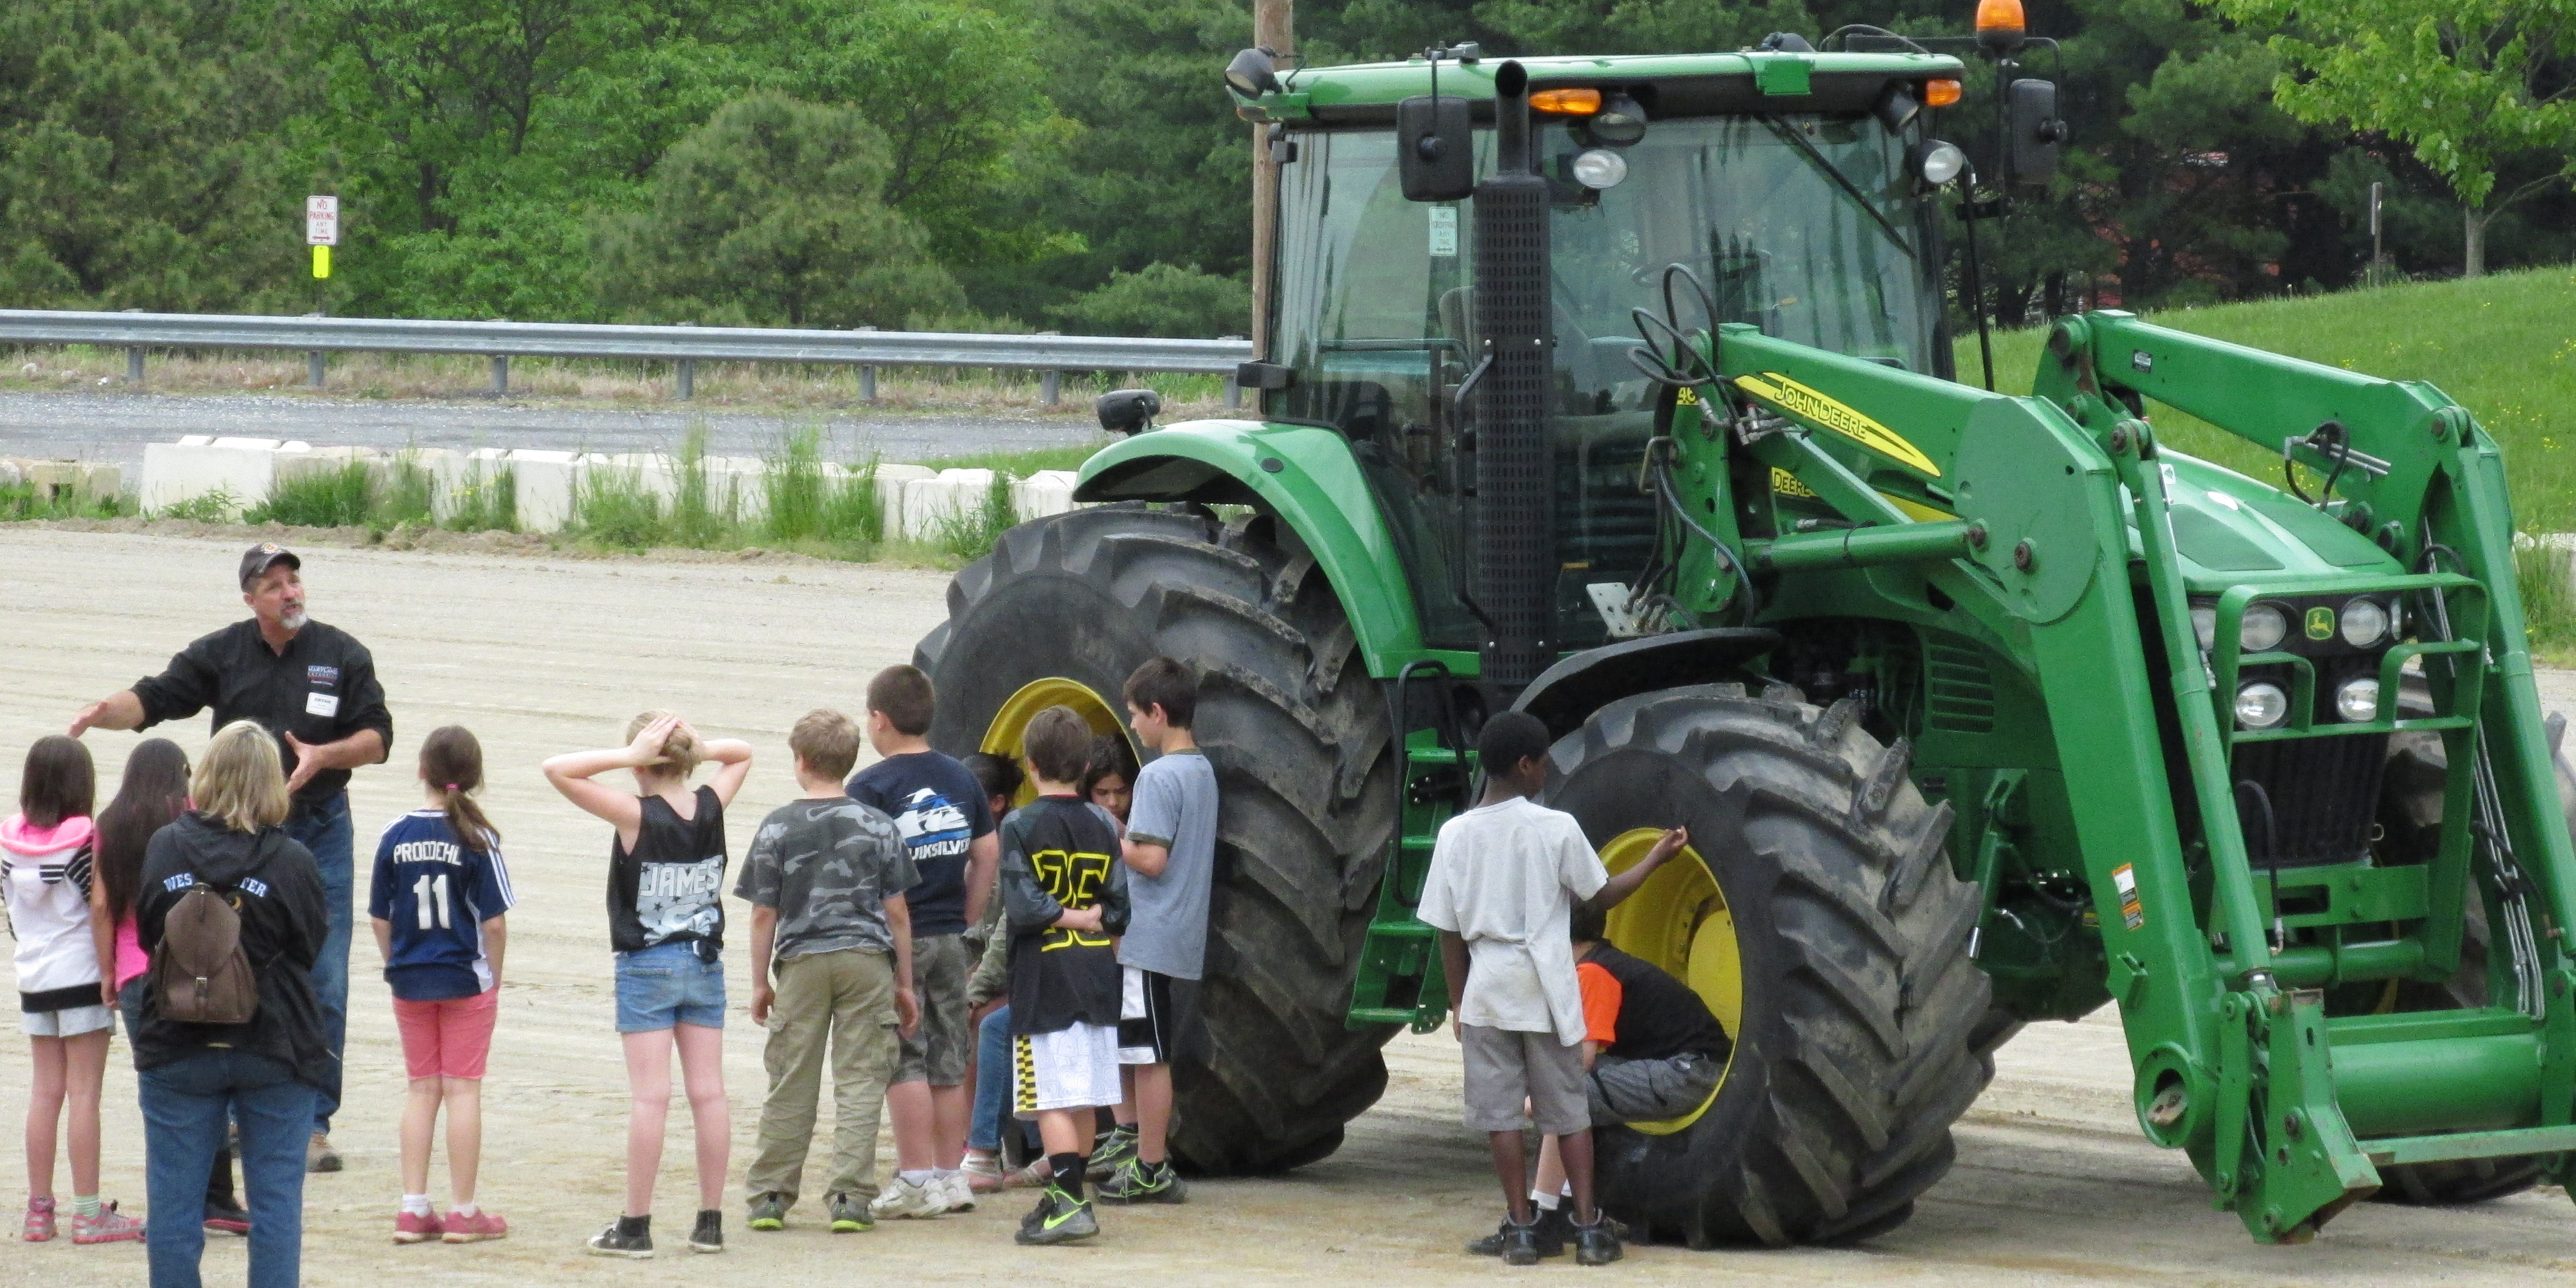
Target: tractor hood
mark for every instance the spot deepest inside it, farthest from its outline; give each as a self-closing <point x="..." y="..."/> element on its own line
<point x="2229" y="528"/>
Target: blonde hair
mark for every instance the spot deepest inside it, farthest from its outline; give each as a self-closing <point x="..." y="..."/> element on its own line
<point x="241" y="780"/>
<point x="827" y="740"/>
<point x="679" y="753"/>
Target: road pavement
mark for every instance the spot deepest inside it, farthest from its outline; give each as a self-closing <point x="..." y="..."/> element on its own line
<point x="112" y="427"/>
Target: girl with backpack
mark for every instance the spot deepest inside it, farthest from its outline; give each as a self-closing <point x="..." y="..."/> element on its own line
<point x="666" y="921"/>
<point x="45" y="877"/>
<point x="437" y="902"/>
<point x="232" y="911"/>
<point x="153" y="793"/>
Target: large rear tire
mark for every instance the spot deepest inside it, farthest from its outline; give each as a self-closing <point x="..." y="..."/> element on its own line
<point x="1265" y="1074"/>
<point x="1862" y="1029"/>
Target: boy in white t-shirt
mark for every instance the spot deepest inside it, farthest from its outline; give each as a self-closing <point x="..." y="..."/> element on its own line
<point x="1503" y="878"/>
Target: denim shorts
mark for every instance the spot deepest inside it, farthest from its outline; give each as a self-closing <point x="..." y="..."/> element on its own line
<point x="666" y="985"/>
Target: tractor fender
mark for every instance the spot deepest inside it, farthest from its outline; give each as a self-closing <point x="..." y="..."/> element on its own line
<point x="1303" y="474"/>
<point x="1566" y="694"/>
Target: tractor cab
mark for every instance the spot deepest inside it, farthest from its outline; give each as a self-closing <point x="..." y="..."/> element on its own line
<point x="1798" y="188"/>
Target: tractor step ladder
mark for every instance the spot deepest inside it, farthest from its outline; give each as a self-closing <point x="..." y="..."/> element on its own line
<point x="1400" y="977"/>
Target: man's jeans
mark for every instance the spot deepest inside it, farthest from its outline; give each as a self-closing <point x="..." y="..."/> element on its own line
<point x="185" y="1104"/>
<point x="324" y="829"/>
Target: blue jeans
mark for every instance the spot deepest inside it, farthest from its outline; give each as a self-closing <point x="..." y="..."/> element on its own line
<point x="668" y="985"/>
<point x="992" y="1083"/>
<point x="185" y="1104"/>
<point x="324" y="829"/>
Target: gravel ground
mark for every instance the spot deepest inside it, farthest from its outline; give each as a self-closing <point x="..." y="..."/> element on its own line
<point x="540" y="654"/>
<point x="113" y="427"/>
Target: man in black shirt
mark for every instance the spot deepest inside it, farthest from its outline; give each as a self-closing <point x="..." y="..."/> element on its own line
<point x="1667" y="1050"/>
<point x="315" y="688"/>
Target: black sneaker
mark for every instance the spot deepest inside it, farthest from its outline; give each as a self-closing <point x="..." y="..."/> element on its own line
<point x="1597" y="1244"/>
<point x="618" y="1241"/>
<point x="708" y="1236"/>
<point x="1109" y="1151"/>
<point x="226" y="1217"/>
<point x="1135" y="1183"/>
<point x="1517" y="1245"/>
<point x="1058" y="1218"/>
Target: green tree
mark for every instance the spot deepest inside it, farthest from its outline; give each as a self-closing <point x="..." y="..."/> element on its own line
<point x="771" y="214"/>
<point x="139" y="167"/>
<point x="2469" y="84"/>
<point x="1165" y="300"/>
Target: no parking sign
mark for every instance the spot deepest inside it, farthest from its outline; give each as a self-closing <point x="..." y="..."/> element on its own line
<point x="322" y="230"/>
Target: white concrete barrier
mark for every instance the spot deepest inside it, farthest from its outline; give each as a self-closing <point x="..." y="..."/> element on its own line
<point x="917" y="502"/>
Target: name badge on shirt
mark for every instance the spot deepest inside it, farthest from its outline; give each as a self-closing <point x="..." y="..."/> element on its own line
<point x="325" y="705"/>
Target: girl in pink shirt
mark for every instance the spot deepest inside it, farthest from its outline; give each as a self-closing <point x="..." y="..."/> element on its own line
<point x="154" y="792"/>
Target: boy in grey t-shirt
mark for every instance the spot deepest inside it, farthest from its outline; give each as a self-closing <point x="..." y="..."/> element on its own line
<point x="826" y="877"/>
<point x="1170" y="853"/>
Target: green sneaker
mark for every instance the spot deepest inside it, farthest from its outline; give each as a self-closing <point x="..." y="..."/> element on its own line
<point x="1137" y="1181"/>
<point x="768" y="1211"/>
<point x="1109" y="1153"/>
<point x="850" y="1215"/>
<point x="1058" y="1218"/>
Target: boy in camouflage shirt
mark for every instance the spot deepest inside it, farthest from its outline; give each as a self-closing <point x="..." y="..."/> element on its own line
<point x="826" y="878"/>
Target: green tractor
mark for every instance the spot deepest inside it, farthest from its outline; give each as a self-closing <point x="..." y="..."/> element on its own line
<point x="1619" y="391"/>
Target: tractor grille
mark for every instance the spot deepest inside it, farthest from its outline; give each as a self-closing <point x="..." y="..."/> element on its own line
<point x="1960" y="690"/>
<point x="2324" y="791"/>
<point x="1515" y="546"/>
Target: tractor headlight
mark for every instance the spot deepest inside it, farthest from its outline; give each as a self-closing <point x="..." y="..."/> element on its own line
<point x="2365" y="622"/>
<point x="2357" y="700"/>
<point x="1937" y="162"/>
<point x="1600" y="168"/>
<point x="2261" y="629"/>
<point x="2261" y="705"/>
<point x="2204" y="623"/>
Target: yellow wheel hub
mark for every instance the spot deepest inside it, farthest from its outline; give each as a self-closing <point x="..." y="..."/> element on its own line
<point x="1679" y="921"/>
<point x="1005" y="735"/>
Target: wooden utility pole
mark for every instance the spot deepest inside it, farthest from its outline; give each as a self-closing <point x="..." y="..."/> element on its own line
<point x="1274" y="27"/>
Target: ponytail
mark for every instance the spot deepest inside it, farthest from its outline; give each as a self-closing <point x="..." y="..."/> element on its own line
<point x="451" y="762"/>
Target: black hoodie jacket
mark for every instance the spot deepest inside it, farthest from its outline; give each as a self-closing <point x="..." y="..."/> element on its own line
<point x="283" y="921"/>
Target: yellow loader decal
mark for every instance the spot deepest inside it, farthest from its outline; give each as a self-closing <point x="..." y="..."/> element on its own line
<point x="1816" y="407"/>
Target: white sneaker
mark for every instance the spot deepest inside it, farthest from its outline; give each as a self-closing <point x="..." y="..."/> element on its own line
<point x="906" y="1199"/>
<point x="954" y="1193"/>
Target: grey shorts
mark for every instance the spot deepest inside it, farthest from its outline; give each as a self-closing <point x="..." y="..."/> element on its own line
<point x="1650" y="1091"/>
<point x="936" y="1052"/>
<point x="69" y="1022"/>
<point x="1506" y="1070"/>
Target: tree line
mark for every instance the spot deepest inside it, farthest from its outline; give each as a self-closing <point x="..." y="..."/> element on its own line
<point x="1076" y="165"/>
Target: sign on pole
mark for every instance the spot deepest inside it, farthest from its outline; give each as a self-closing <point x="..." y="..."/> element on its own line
<point x="322" y="221"/>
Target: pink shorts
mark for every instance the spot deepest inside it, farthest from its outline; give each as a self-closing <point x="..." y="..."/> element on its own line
<point x="448" y="1039"/>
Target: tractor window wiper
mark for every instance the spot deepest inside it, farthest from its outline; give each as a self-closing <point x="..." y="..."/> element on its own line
<point x="1790" y="134"/>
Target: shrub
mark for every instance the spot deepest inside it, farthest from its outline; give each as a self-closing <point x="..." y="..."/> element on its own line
<point x="1165" y="300"/>
<point x="969" y="534"/>
<point x="612" y="506"/>
<point x="341" y="498"/>
<point x="484" y="505"/>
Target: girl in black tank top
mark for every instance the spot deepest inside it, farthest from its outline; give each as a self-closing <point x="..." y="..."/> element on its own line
<point x="665" y="886"/>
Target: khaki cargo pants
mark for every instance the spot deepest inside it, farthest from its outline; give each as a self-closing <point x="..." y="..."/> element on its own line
<point x="847" y="999"/>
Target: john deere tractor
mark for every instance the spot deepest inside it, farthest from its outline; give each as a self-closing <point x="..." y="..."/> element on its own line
<point x="1619" y="391"/>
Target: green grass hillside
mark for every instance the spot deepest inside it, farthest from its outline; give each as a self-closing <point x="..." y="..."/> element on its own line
<point x="2502" y="346"/>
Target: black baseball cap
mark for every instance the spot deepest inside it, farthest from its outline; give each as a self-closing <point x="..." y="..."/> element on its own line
<point x="260" y="558"/>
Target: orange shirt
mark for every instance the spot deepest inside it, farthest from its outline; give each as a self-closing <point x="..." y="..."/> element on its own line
<point x="1601" y="993"/>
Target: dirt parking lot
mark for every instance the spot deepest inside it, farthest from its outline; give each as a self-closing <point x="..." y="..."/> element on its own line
<point x="538" y="655"/>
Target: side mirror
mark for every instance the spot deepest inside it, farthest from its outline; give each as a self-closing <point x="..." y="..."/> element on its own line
<point x="2035" y="134"/>
<point x="1435" y="148"/>
<point x="1128" y="411"/>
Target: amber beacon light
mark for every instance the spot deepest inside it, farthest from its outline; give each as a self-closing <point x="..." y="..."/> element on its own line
<point x="1999" y="25"/>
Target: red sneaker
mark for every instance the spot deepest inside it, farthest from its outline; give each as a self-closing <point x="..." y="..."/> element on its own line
<point x="462" y="1228"/>
<point x="109" y="1226"/>
<point x="40" y="1221"/>
<point x="415" y="1229"/>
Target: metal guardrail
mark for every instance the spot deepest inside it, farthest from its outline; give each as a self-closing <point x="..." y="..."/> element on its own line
<point x="684" y="345"/>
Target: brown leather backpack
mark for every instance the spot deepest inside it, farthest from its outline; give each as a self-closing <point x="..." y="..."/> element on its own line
<point x="200" y="975"/>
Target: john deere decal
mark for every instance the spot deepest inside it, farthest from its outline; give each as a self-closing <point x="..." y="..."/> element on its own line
<point x="1818" y="408"/>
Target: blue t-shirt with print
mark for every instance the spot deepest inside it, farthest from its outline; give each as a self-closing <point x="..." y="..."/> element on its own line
<point x="939" y="809"/>
<point x="437" y="894"/>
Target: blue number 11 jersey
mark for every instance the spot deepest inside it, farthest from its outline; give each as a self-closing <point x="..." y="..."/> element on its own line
<point x="436" y="894"/>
